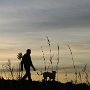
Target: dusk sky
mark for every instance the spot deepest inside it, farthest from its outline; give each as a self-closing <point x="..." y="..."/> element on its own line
<point x="26" y="24"/>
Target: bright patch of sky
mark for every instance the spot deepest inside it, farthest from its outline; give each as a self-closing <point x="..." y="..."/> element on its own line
<point x="26" y="23"/>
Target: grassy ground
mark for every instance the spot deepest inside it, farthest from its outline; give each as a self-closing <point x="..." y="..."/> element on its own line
<point x="36" y="85"/>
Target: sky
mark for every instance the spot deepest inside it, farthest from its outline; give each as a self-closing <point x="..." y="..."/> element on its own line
<point x="26" y="24"/>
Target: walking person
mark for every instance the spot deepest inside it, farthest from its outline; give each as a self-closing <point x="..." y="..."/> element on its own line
<point x="27" y="63"/>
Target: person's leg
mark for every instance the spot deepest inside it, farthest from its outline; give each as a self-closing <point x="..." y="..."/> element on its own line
<point x="26" y="74"/>
<point x="29" y="74"/>
<point x="29" y="77"/>
<point x="24" y="77"/>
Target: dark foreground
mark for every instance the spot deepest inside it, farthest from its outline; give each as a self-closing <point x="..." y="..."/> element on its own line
<point x="35" y="85"/>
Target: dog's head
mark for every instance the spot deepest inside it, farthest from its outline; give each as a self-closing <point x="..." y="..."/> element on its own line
<point x="54" y="72"/>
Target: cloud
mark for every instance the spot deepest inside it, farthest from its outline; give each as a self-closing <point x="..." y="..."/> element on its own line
<point x="32" y="15"/>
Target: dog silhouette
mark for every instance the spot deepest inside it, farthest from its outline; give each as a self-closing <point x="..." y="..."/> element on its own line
<point x="50" y="75"/>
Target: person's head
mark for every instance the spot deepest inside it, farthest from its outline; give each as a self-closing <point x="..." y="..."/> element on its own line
<point x="28" y="51"/>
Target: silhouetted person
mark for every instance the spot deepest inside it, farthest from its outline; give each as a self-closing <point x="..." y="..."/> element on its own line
<point x="26" y="62"/>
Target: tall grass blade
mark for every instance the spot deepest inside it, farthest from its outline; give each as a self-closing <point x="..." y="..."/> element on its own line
<point x="73" y="64"/>
<point x="44" y="58"/>
<point x="49" y="44"/>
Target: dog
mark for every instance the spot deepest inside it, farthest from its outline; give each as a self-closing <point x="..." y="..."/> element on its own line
<point x="50" y="75"/>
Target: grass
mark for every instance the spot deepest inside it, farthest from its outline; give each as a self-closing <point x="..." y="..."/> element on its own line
<point x="75" y="70"/>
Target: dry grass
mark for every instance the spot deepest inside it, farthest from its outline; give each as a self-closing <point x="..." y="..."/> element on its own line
<point x="75" y="70"/>
<point x="44" y="58"/>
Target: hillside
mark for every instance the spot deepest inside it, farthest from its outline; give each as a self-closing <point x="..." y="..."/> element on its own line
<point x="36" y="85"/>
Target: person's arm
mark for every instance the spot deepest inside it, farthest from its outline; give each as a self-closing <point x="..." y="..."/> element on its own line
<point x="22" y="63"/>
<point x="33" y="67"/>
